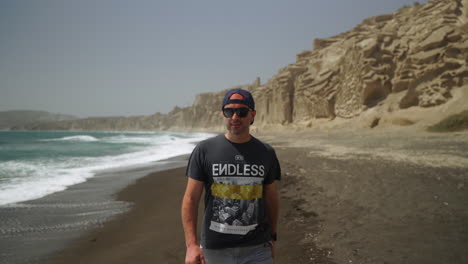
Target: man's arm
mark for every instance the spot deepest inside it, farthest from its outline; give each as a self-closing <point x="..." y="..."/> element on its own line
<point x="189" y="212"/>
<point x="272" y="207"/>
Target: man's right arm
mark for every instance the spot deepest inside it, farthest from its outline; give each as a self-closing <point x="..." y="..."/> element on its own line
<point x="189" y="212"/>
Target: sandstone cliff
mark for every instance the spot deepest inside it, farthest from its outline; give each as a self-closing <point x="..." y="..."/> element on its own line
<point x="418" y="54"/>
<point x="395" y="69"/>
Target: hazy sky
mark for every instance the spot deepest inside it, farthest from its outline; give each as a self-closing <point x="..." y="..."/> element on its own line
<point x="122" y="57"/>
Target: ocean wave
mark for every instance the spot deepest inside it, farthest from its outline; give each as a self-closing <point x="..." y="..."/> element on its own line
<point x="30" y="180"/>
<point x="23" y="180"/>
<point x="82" y="138"/>
<point x="154" y="139"/>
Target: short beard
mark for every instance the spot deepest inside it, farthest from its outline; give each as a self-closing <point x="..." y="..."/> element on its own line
<point x="235" y="132"/>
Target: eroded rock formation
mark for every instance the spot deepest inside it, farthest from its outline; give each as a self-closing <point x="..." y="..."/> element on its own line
<point x="420" y="52"/>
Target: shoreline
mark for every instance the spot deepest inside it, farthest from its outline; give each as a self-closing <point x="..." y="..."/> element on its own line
<point x="62" y="217"/>
<point x="144" y="232"/>
<point x="47" y="162"/>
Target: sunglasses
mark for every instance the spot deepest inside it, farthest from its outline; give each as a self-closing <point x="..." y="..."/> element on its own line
<point x="241" y="112"/>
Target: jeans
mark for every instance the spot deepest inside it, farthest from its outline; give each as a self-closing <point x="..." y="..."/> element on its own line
<point x="259" y="254"/>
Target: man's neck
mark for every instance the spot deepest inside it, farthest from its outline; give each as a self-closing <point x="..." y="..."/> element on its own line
<point x="238" y="138"/>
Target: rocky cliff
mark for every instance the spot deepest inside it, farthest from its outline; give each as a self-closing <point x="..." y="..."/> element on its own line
<point x="418" y="53"/>
<point x="390" y="69"/>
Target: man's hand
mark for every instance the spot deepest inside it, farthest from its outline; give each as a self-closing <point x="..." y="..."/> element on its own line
<point x="194" y="255"/>
<point x="273" y="249"/>
<point x="189" y="212"/>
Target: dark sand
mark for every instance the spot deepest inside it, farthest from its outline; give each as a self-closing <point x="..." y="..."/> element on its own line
<point x="152" y="231"/>
<point x="149" y="233"/>
<point x="344" y="199"/>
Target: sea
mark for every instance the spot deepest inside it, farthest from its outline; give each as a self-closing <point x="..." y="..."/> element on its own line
<point x="55" y="185"/>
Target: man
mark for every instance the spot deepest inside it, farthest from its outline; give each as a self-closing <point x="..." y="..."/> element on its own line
<point x="238" y="173"/>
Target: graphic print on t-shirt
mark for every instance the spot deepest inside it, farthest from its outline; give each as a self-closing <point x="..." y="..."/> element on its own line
<point x="237" y="190"/>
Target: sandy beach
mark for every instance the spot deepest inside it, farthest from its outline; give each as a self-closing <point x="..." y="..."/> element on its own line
<point x="367" y="197"/>
<point x="150" y="232"/>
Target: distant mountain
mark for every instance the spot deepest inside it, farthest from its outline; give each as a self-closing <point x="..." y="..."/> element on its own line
<point x="18" y="118"/>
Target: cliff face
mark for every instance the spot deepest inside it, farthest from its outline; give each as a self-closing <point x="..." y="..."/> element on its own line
<point x="420" y="51"/>
<point x="415" y="57"/>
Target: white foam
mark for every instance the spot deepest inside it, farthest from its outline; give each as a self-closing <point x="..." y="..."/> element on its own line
<point x="35" y="179"/>
<point x="83" y="138"/>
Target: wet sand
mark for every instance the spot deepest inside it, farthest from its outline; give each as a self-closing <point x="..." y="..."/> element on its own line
<point x="30" y="231"/>
<point x="150" y="232"/>
<point x="345" y="198"/>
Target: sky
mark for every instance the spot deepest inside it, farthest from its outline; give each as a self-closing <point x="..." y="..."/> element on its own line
<point x="123" y="58"/>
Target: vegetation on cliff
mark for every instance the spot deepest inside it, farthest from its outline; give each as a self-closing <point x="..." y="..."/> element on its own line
<point x="457" y="122"/>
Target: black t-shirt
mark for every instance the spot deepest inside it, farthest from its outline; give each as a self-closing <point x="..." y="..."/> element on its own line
<point x="234" y="176"/>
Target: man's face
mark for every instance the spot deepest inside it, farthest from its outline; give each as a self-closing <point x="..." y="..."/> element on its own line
<point x="237" y="125"/>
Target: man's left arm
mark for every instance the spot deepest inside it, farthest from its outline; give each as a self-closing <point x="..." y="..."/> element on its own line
<point x="272" y="206"/>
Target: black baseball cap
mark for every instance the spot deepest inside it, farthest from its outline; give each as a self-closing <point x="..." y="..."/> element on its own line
<point x="248" y="99"/>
